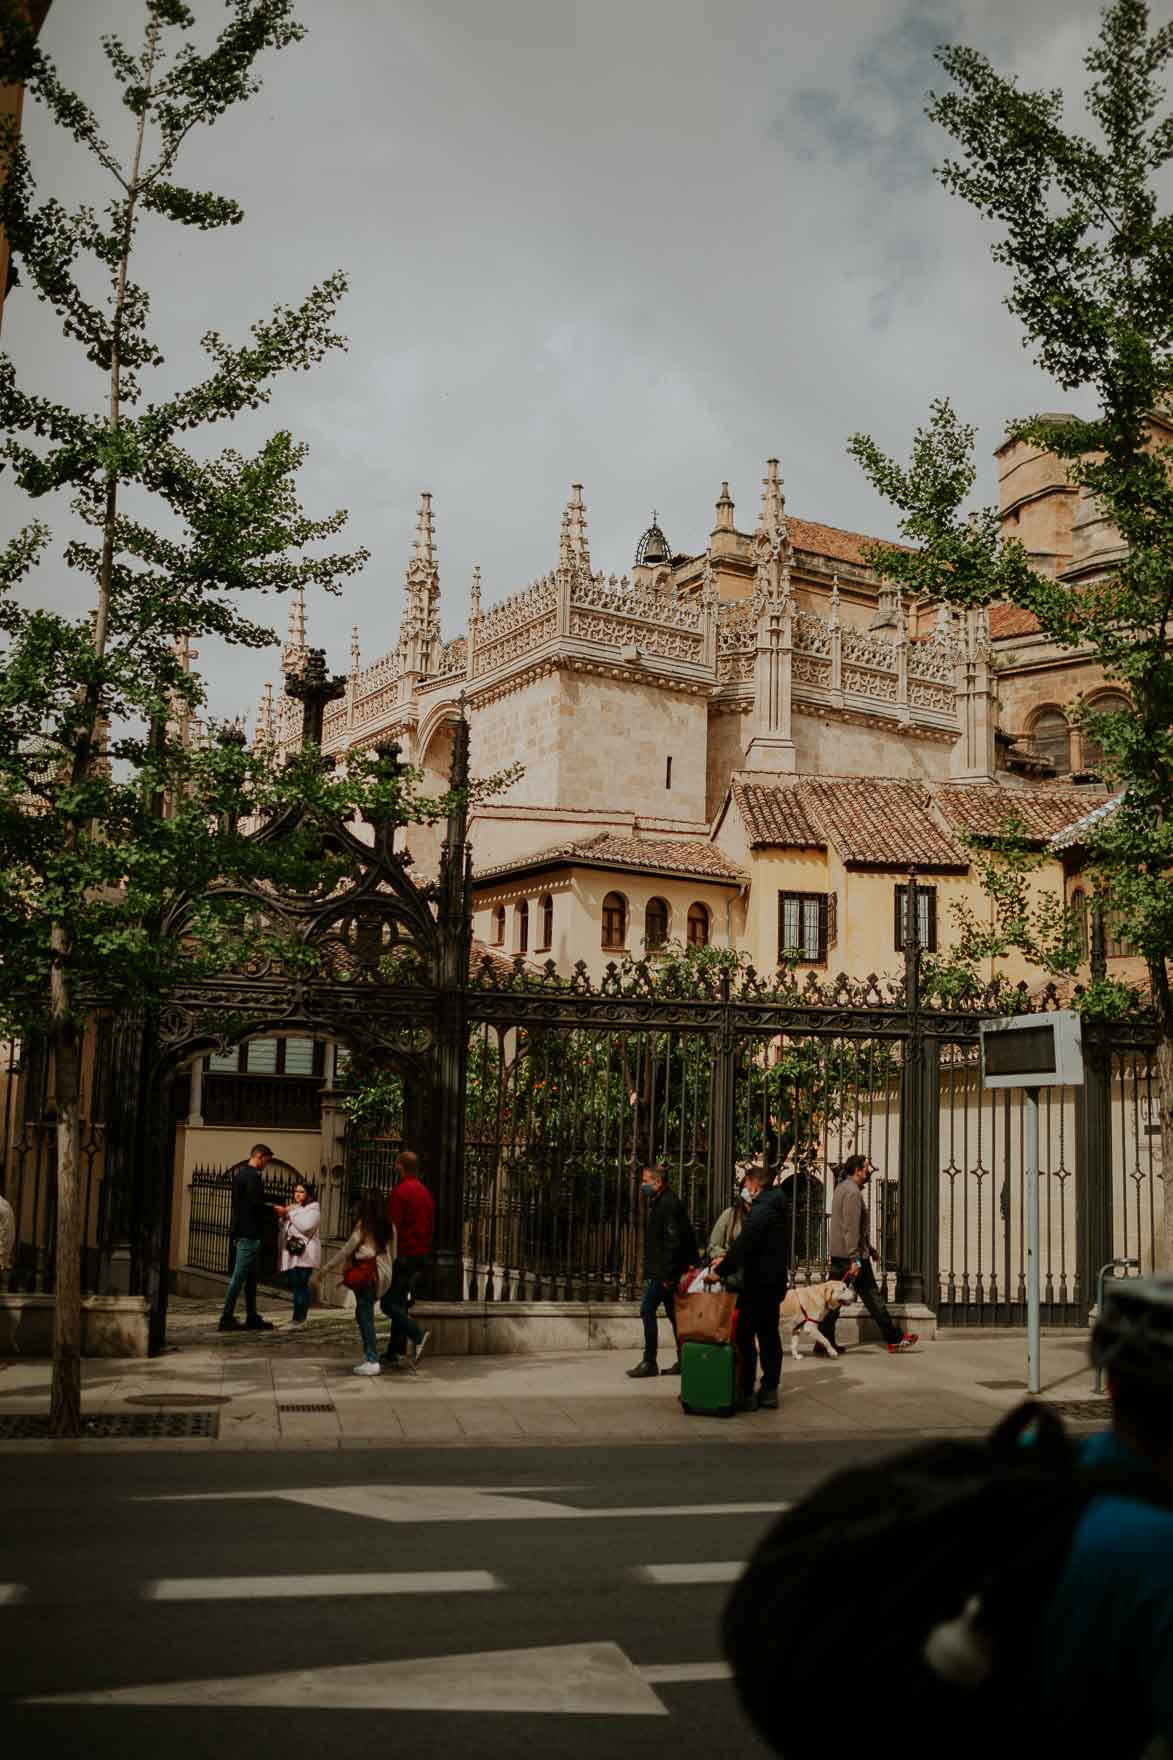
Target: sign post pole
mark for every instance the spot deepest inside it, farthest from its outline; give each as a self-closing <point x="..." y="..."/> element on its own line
<point x="1033" y="1326"/>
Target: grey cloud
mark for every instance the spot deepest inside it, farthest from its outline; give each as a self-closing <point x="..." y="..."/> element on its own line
<point x="580" y="252"/>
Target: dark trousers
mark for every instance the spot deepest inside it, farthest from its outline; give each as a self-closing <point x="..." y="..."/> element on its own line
<point x="299" y="1283"/>
<point x="759" y="1332"/>
<point x="868" y="1291"/>
<point x="244" y="1276"/>
<point x="655" y="1294"/>
<point x="394" y="1303"/>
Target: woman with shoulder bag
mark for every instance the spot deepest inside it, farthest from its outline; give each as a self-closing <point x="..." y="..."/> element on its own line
<point x="727" y="1228"/>
<point x="367" y="1258"/>
<point x="299" y="1224"/>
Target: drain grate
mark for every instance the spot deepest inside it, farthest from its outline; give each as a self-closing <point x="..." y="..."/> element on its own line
<point x="306" y="1408"/>
<point x="34" y="1426"/>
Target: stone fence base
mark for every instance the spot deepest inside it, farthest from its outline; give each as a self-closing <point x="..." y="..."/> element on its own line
<point x="111" y="1326"/>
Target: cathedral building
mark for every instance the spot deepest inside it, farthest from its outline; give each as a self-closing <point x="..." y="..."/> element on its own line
<point x="747" y="742"/>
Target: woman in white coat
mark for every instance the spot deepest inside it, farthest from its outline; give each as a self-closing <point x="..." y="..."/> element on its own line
<point x="299" y="1226"/>
<point x="367" y="1258"/>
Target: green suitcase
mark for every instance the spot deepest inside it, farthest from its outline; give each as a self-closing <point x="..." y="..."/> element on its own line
<point x="708" y="1378"/>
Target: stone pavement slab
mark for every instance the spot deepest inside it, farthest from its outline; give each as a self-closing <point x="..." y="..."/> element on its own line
<point x="960" y="1382"/>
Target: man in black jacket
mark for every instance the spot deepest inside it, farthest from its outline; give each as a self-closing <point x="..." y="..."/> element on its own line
<point x="759" y="1252"/>
<point x="669" y="1249"/>
<point x="248" y="1223"/>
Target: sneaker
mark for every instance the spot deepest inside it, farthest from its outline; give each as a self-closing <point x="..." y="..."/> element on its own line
<point x="368" y="1368"/>
<point x="418" y="1349"/>
<point x="904" y="1344"/>
<point x="231" y="1324"/>
<point x="390" y="1362"/>
<point x="672" y="1369"/>
<point x="745" y="1402"/>
<point x="768" y="1399"/>
<point x="642" y="1371"/>
<point x="254" y="1323"/>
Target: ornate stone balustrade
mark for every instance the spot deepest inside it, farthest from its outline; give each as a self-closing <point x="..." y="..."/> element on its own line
<point x="516" y="626"/>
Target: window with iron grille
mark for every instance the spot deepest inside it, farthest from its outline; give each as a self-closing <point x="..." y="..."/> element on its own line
<point x="1077" y="904"/>
<point x="546" y="923"/>
<point x="926" y="917"/>
<point x="698" y="925"/>
<point x="802" y="927"/>
<point x="521" y="918"/>
<point x="499" y="926"/>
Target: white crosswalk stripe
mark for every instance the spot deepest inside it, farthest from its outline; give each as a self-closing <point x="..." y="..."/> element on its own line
<point x="320" y="1584"/>
<point x="681" y="1575"/>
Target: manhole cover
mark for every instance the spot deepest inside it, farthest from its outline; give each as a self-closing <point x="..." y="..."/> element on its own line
<point x="33" y="1426"/>
<point x="1089" y="1410"/>
<point x="178" y="1401"/>
<point x="306" y="1408"/>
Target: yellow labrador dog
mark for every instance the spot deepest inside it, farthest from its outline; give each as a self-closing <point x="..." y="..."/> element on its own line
<point x="805" y="1306"/>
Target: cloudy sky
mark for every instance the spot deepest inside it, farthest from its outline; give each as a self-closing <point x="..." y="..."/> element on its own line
<point x="641" y="244"/>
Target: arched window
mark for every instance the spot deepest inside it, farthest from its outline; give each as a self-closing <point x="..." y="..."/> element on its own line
<point x="655" y="924"/>
<point x="615" y="920"/>
<point x="521" y="920"/>
<point x="546" y="910"/>
<point x="1078" y="907"/>
<point x="698" y="925"/>
<point x="499" y="926"/>
<point x="1110" y="703"/>
<point x="1051" y="737"/>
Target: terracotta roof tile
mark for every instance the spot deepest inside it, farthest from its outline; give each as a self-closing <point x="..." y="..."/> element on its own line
<point x="608" y="850"/>
<point x="820" y="540"/>
<point x="868" y="820"/>
<point x="881" y="823"/>
<point x="773" y="816"/>
<point x="1073" y="834"/>
<point x="984" y="810"/>
<point x="1011" y="620"/>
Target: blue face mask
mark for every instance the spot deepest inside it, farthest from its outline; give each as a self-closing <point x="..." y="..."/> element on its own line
<point x="648" y="1189"/>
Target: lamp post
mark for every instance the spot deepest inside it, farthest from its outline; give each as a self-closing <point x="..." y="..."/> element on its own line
<point x="1113" y="1265"/>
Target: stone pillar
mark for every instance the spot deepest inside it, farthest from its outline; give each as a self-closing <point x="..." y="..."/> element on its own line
<point x="195" y="1105"/>
<point x="772" y="746"/>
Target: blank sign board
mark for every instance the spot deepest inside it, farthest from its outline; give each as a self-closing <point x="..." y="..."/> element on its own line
<point x="1033" y="1051"/>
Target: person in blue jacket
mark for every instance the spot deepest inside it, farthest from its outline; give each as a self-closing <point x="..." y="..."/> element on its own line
<point x="1105" y="1650"/>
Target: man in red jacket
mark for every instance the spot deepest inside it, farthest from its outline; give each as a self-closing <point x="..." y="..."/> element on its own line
<point x="413" y="1217"/>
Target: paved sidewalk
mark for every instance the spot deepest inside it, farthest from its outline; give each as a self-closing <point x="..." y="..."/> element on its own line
<point x="961" y="1382"/>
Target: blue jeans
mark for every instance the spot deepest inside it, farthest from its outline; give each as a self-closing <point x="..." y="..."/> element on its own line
<point x="244" y="1276"/>
<point x="299" y="1283"/>
<point x="655" y="1295"/>
<point x="394" y="1304"/>
<point x="364" y="1313"/>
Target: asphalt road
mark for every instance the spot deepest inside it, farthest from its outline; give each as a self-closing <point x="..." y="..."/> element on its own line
<point x="573" y="1613"/>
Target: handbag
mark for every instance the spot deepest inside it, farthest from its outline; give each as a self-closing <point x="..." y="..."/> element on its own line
<point x="707" y="1316"/>
<point x="295" y="1244"/>
<point x="361" y="1274"/>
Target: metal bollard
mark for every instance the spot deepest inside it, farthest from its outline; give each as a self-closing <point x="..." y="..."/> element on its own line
<point x="1112" y="1265"/>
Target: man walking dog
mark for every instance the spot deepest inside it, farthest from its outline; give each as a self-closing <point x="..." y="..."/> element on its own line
<point x="852" y="1254"/>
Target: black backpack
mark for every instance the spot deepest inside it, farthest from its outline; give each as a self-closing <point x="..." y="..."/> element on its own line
<point x="915" y="1539"/>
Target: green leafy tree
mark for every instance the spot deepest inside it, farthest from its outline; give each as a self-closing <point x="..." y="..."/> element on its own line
<point x="1088" y="250"/>
<point x="103" y="803"/>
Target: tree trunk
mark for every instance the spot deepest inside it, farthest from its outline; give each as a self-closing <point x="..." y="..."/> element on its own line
<point x="65" y="1399"/>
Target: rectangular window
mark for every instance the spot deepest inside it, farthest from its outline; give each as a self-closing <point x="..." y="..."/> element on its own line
<point x="1116" y="942"/>
<point x="802" y="927"/>
<point x="262" y="1057"/>
<point x="668" y="774"/>
<point x="926" y="917"/>
<point x="224" y="1063"/>
<point x="299" y="1057"/>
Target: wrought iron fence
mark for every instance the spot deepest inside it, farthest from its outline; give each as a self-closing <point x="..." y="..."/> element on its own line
<point x="209" y="1229"/>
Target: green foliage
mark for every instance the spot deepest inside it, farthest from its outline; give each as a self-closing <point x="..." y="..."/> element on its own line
<point x="374" y="1102"/>
<point x="1089" y="255"/>
<point x="109" y="813"/>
